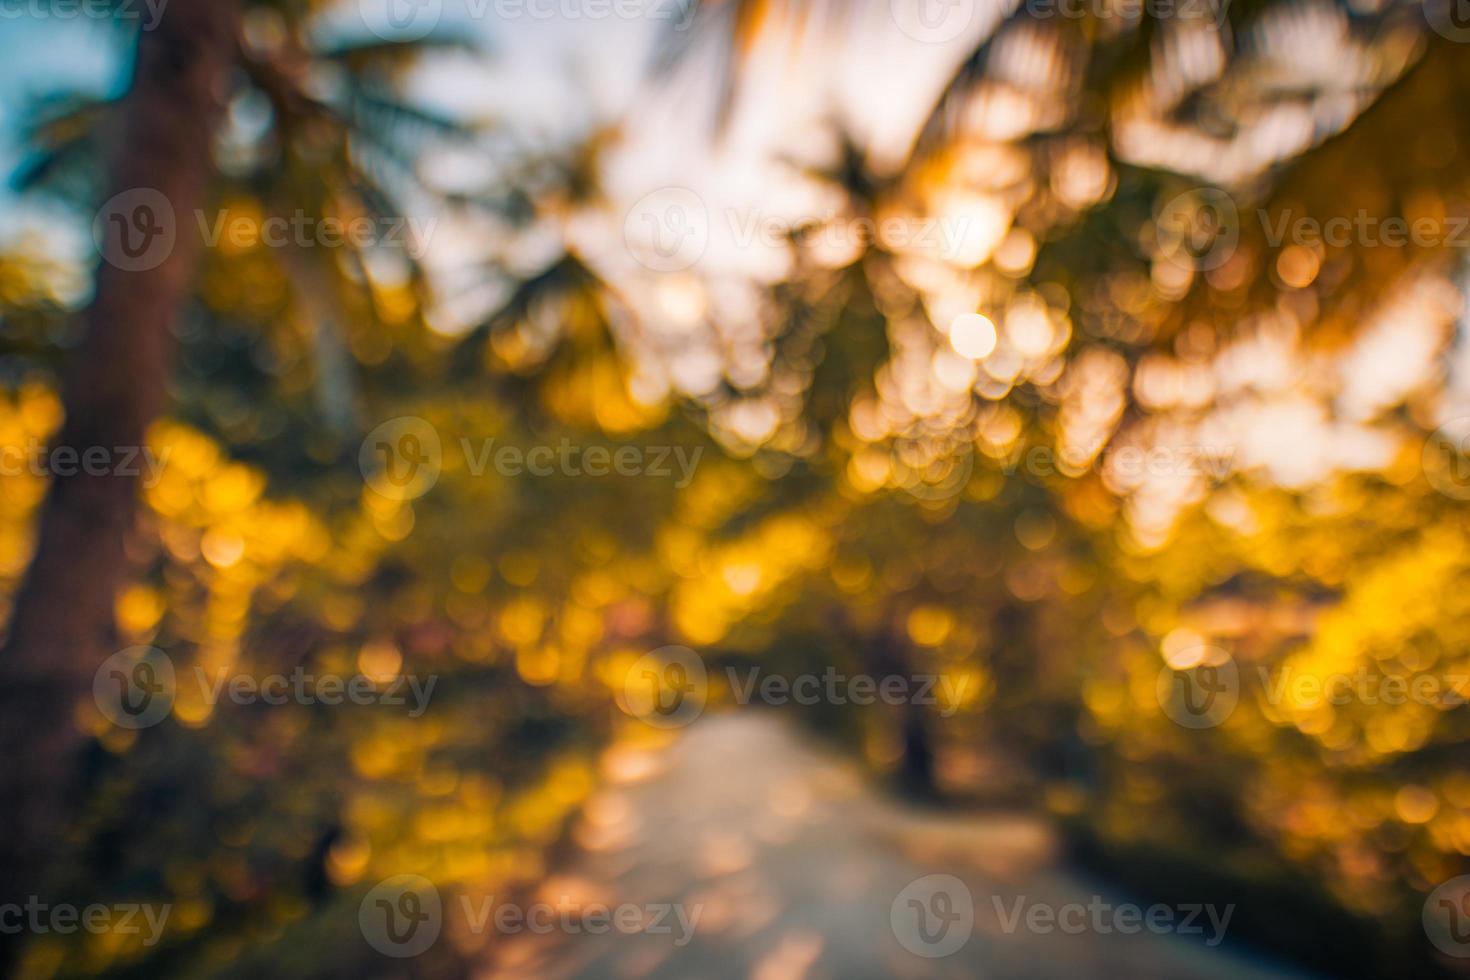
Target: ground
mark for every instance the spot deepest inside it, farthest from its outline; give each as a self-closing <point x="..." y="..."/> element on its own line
<point x="797" y="869"/>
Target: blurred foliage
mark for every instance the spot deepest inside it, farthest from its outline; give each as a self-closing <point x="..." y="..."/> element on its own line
<point x="868" y="497"/>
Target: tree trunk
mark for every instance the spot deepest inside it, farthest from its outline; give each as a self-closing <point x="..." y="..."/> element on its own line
<point x="889" y="658"/>
<point x="116" y="382"/>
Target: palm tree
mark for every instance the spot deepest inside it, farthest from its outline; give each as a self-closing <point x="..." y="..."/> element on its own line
<point x="323" y="154"/>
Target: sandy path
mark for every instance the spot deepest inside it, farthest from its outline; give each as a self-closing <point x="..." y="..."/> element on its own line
<point x="797" y="869"/>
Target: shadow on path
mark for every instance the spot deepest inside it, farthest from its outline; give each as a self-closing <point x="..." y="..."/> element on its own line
<point x="786" y="864"/>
